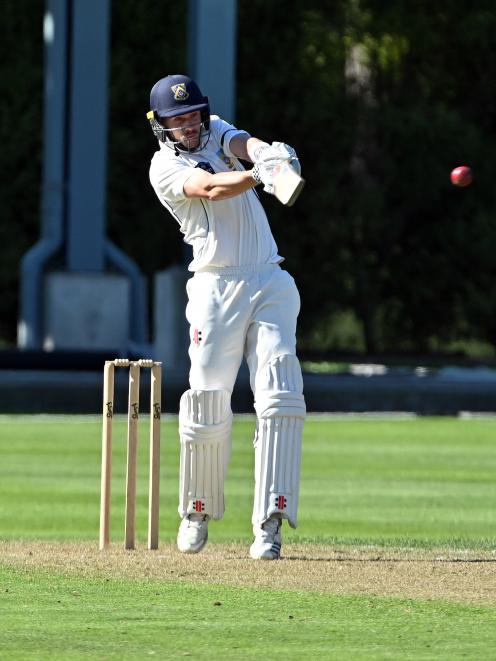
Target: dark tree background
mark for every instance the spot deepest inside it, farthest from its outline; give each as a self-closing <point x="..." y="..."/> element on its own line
<point x="381" y="101"/>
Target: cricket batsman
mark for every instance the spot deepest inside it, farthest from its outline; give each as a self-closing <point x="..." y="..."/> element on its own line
<point x="240" y="303"/>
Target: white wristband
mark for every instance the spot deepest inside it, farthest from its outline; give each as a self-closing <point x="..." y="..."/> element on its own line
<point x="253" y="149"/>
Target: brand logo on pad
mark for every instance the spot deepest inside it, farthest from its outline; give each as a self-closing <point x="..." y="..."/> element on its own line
<point x="197" y="336"/>
<point x="199" y="505"/>
<point x="281" y="502"/>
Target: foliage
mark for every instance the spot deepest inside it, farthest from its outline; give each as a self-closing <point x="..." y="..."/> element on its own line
<point x="21" y="122"/>
<point x="379" y="222"/>
<point x="381" y="101"/>
<point x="148" y="42"/>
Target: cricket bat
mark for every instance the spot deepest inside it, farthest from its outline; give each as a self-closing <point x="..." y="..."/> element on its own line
<point x="287" y="184"/>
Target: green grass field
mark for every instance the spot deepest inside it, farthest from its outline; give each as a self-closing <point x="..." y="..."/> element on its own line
<point x="394" y="556"/>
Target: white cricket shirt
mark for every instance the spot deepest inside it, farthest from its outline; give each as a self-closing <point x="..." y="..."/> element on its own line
<point x="233" y="232"/>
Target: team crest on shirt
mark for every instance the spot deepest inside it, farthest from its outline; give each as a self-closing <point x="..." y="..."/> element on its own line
<point x="205" y="165"/>
<point x="180" y="92"/>
<point x="225" y="159"/>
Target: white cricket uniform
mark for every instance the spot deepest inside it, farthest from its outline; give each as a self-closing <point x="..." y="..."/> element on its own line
<point x="240" y="303"/>
<point x="235" y="260"/>
<point x="233" y="232"/>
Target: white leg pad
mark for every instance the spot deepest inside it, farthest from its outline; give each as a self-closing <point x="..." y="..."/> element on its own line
<point x="205" y="421"/>
<point x="281" y="414"/>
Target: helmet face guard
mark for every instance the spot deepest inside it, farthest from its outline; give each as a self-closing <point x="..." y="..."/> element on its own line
<point x="166" y="135"/>
<point x="173" y="96"/>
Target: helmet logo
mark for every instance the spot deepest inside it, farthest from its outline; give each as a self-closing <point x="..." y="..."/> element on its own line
<point x="180" y="92"/>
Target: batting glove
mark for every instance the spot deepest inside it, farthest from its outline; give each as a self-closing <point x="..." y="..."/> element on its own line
<point x="287" y="153"/>
<point x="263" y="173"/>
<point x="267" y="153"/>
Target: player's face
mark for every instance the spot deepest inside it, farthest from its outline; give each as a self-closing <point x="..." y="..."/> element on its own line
<point x="185" y="128"/>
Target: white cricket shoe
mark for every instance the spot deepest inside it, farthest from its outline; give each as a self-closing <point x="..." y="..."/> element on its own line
<point x="268" y="541"/>
<point x="193" y="533"/>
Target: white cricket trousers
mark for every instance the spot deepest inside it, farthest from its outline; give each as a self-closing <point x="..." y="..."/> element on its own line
<point x="235" y="312"/>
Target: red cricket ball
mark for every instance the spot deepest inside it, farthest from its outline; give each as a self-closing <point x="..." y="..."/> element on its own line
<point x="461" y="176"/>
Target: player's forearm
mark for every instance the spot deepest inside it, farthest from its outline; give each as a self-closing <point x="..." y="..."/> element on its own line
<point x="243" y="146"/>
<point x="224" y="185"/>
<point x="219" y="186"/>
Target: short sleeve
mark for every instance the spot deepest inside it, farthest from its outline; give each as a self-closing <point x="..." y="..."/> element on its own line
<point x="224" y="133"/>
<point x="168" y="179"/>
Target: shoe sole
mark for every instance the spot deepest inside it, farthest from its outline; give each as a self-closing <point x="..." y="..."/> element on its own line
<point x="269" y="554"/>
<point x="265" y="557"/>
<point x="192" y="549"/>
